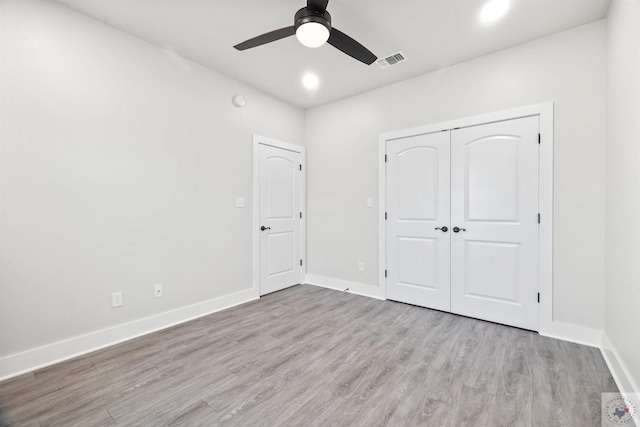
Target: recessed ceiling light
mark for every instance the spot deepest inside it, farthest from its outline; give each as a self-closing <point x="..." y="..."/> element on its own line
<point x="494" y="10"/>
<point x="310" y="81"/>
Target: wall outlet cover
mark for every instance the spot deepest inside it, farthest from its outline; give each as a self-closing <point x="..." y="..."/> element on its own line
<point x="116" y="299"/>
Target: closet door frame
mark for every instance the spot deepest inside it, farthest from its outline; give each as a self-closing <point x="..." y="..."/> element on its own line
<point x="544" y="112"/>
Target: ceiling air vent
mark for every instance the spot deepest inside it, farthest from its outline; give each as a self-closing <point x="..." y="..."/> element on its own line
<point x="390" y="60"/>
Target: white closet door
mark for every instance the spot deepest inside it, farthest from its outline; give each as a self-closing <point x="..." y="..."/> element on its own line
<point x="494" y="202"/>
<point x="280" y="223"/>
<point x="417" y="213"/>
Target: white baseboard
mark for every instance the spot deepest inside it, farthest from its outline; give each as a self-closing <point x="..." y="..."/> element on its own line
<point x="341" y="285"/>
<point x="619" y="370"/>
<point x="573" y="333"/>
<point x="30" y="360"/>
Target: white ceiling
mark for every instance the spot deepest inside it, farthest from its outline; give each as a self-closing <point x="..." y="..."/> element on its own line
<point x="432" y="34"/>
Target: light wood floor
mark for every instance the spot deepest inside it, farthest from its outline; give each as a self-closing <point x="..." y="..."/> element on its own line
<point x="311" y="356"/>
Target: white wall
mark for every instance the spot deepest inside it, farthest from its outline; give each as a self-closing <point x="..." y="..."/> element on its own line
<point x="120" y="164"/>
<point x="622" y="296"/>
<point x="342" y="141"/>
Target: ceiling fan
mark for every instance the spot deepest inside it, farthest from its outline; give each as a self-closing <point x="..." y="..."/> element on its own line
<point x="312" y="27"/>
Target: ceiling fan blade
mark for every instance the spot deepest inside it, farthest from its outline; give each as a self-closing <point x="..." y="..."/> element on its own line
<point x="266" y="38"/>
<point x="343" y="42"/>
<point x="317" y="5"/>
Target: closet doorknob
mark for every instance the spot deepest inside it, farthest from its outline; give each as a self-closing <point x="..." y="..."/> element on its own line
<point x="444" y="229"/>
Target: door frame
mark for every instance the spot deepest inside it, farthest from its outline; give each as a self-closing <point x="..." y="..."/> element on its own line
<point x="262" y="140"/>
<point x="544" y="112"/>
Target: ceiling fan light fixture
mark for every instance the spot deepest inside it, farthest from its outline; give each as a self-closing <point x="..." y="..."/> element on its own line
<point x="312" y="34"/>
<point x="312" y="25"/>
<point x="312" y="28"/>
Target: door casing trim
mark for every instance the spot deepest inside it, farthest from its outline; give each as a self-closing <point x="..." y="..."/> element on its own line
<point x="544" y="112"/>
<point x="262" y="140"/>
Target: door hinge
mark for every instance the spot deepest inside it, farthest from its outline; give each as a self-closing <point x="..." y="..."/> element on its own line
<point x="300" y="215"/>
<point x="538" y="218"/>
<point x="300" y="262"/>
<point x="300" y="167"/>
<point x="538" y="297"/>
<point x="539" y="138"/>
<point x="385" y="158"/>
<point x="385" y="273"/>
<point x="385" y="216"/>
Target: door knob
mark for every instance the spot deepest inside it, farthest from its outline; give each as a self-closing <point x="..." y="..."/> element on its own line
<point x="458" y="229"/>
<point x="444" y="229"/>
<point x="265" y="228"/>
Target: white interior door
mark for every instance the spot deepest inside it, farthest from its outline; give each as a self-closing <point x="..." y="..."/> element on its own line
<point x="418" y="220"/>
<point x="280" y="218"/>
<point x="481" y="183"/>
<point x="494" y="203"/>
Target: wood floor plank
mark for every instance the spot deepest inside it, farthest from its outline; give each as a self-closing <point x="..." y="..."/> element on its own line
<point x="65" y="372"/>
<point x="198" y="352"/>
<point x="311" y="409"/>
<point x="285" y="404"/>
<point x="83" y="397"/>
<point x="244" y="400"/>
<point x="323" y="356"/>
<point x="404" y="402"/>
<point x="512" y="401"/>
<point x="474" y="407"/>
<point x="165" y="389"/>
<point x="97" y="418"/>
<point x="372" y="390"/>
<point x="487" y="376"/>
<point x="311" y="356"/>
<point x="172" y="398"/>
<point x="580" y="397"/>
<point x="196" y="414"/>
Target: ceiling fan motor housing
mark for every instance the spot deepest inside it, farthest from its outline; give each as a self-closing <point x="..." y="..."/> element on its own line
<point x="304" y="16"/>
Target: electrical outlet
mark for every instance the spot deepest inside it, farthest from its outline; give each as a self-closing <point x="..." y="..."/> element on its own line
<point x="157" y="290"/>
<point x="240" y="202"/>
<point x="361" y="267"/>
<point x="116" y="299"/>
<point x="369" y="202"/>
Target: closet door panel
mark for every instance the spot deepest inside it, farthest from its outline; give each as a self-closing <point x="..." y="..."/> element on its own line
<point x="494" y="205"/>
<point x="418" y="204"/>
